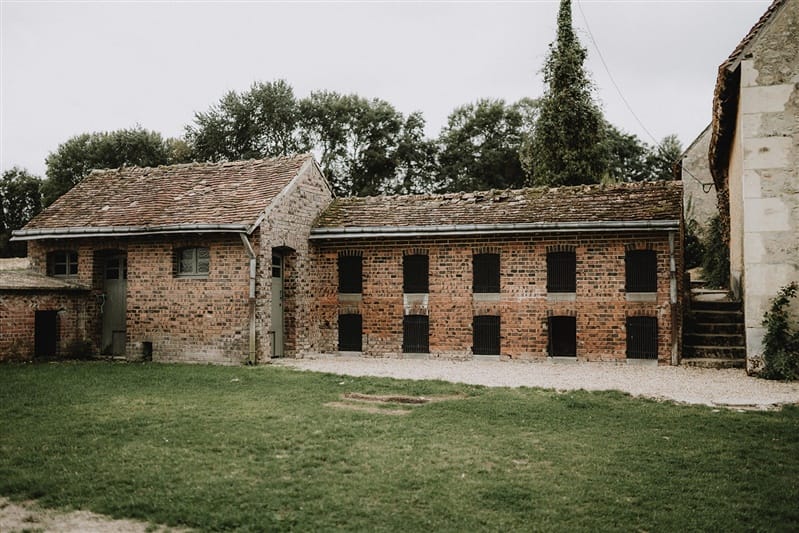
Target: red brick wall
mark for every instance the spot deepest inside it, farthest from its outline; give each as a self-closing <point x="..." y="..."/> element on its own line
<point x="18" y="320"/>
<point x="600" y="302"/>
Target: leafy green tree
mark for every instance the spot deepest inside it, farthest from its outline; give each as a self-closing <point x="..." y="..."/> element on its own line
<point x="625" y="156"/>
<point x="567" y="147"/>
<point x="480" y="145"/>
<point x="661" y="159"/>
<point x="75" y="158"/>
<point x="415" y="159"/>
<point x="20" y="201"/>
<point x="357" y="140"/>
<point x="261" y="122"/>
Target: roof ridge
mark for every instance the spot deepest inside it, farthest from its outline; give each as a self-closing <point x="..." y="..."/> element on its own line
<point x="201" y="164"/>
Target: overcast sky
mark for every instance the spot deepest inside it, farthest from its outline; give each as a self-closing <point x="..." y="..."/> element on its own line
<point x="72" y="67"/>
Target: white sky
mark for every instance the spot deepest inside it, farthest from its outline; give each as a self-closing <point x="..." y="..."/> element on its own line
<point x="72" y="67"/>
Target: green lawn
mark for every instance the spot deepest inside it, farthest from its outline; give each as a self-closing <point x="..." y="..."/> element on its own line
<point x="257" y="449"/>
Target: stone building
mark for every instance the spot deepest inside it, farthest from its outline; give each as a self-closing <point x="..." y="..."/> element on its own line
<point x="244" y="261"/>
<point x="700" y="203"/>
<point x="754" y="159"/>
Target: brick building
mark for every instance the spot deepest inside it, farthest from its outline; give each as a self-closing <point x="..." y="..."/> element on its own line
<point x="247" y="260"/>
<point x="179" y="262"/>
<point x="588" y="272"/>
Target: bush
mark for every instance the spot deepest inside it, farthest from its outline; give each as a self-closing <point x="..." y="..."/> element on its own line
<point x="716" y="256"/>
<point x="694" y="249"/>
<point x="780" y="344"/>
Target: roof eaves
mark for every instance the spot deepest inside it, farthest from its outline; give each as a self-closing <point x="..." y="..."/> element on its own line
<point x="119" y="231"/>
<point x="491" y="229"/>
<point x="309" y="161"/>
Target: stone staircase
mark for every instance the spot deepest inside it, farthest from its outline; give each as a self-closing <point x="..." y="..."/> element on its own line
<point x="714" y="332"/>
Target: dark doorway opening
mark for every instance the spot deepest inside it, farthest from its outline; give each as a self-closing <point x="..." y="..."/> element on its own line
<point x="45" y="340"/>
<point x="562" y="336"/>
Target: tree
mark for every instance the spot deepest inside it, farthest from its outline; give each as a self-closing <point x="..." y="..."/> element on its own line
<point x="75" y="158"/>
<point x="357" y="140"/>
<point x="661" y="159"/>
<point x="479" y="147"/>
<point x="414" y="159"/>
<point x="261" y="122"/>
<point x="625" y="156"/>
<point x="20" y="201"/>
<point x="567" y="145"/>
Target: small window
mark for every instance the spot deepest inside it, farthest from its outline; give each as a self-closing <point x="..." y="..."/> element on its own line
<point x="642" y="337"/>
<point x="562" y="336"/>
<point x="350" y="274"/>
<point x="486" y="273"/>
<point x="415" y="274"/>
<point x="561" y="272"/>
<point x="63" y="263"/>
<point x="193" y="262"/>
<point x="486" y="335"/>
<point x="416" y="334"/>
<point x="350" y="333"/>
<point x="641" y="271"/>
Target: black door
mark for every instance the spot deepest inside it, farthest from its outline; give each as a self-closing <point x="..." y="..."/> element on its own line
<point x="45" y="340"/>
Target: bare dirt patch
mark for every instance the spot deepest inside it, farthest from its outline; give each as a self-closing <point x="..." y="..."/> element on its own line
<point x="367" y="408"/>
<point x="29" y="516"/>
<point x="401" y="399"/>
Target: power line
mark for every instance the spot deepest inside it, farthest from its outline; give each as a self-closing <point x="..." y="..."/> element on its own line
<point x="705" y="186"/>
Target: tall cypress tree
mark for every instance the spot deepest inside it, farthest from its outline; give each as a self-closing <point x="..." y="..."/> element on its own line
<point x="566" y="147"/>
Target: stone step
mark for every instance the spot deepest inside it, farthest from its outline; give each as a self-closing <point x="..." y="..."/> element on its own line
<point x="706" y="305"/>
<point x="717" y="317"/>
<point x="713" y="328"/>
<point x="714" y="339"/>
<point x="711" y="362"/>
<point x="714" y="352"/>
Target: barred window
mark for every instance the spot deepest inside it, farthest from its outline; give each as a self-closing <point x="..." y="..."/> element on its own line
<point x="415" y="277"/>
<point x="350" y="274"/>
<point x="561" y="272"/>
<point x="641" y="271"/>
<point x="486" y="273"/>
<point x="642" y="337"/>
<point x="415" y="334"/>
<point x="62" y="263"/>
<point x="562" y="336"/>
<point x="193" y="262"/>
<point x="486" y="335"/>
<point x="350" y="333"/>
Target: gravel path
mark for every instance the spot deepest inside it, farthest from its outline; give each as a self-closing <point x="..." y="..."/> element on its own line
<point x="727" y="388"/>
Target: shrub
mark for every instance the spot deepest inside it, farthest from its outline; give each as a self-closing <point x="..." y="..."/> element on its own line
<point x="694" y="248"/>
<point x="716" y="256"/>
<point x="780" y="344"/>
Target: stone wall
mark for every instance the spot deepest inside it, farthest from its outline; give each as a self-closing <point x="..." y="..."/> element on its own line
<point x="699" y="192"/>
<point x="768" y="130"/>
<point x="600" y="303"/>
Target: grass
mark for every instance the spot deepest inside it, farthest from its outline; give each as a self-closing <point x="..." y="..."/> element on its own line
<point x="255" y="449"/>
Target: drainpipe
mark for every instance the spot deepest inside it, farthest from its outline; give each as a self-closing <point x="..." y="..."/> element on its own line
<point x="675" y="355"/>
<point x="252" y="358"/>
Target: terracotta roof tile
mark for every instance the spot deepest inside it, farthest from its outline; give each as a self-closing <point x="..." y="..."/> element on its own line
<point x="26" y="280"/>
<point x="643" y="201"/>
<point x="198" y="193"/>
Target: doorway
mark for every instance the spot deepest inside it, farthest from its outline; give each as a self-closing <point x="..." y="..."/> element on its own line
<point x="114" y="308"/>
<point x="45" y="336"/>
<point x="277" y="306"/>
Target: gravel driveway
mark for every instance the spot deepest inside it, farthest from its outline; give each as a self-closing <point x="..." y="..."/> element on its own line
<point x="727" y="388"/>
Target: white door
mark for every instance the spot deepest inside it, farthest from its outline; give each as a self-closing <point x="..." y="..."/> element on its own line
<point x="277" y="306"/>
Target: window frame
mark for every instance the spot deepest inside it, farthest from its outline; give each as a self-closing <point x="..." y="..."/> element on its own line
<point x="195" y="272"/>
<point x="413" y="321"/>
<point x="354" y="344"/>
<point x="640" y="271"/>
<point x="68" y="259"/>
<point x="557" y="324"/>
<point x="558" y="281"/>
<point x="486" y="326"/>
<point x="350" y="274"/>
<point x="486" y="273"/>
<point x="642" y="337"/>
<point x="416" y="274"/>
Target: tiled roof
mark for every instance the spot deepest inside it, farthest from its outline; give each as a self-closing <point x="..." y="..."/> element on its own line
<point x="621" y="203"/>
<point x="26" y="280"/>
<point x="197" y="193"/>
